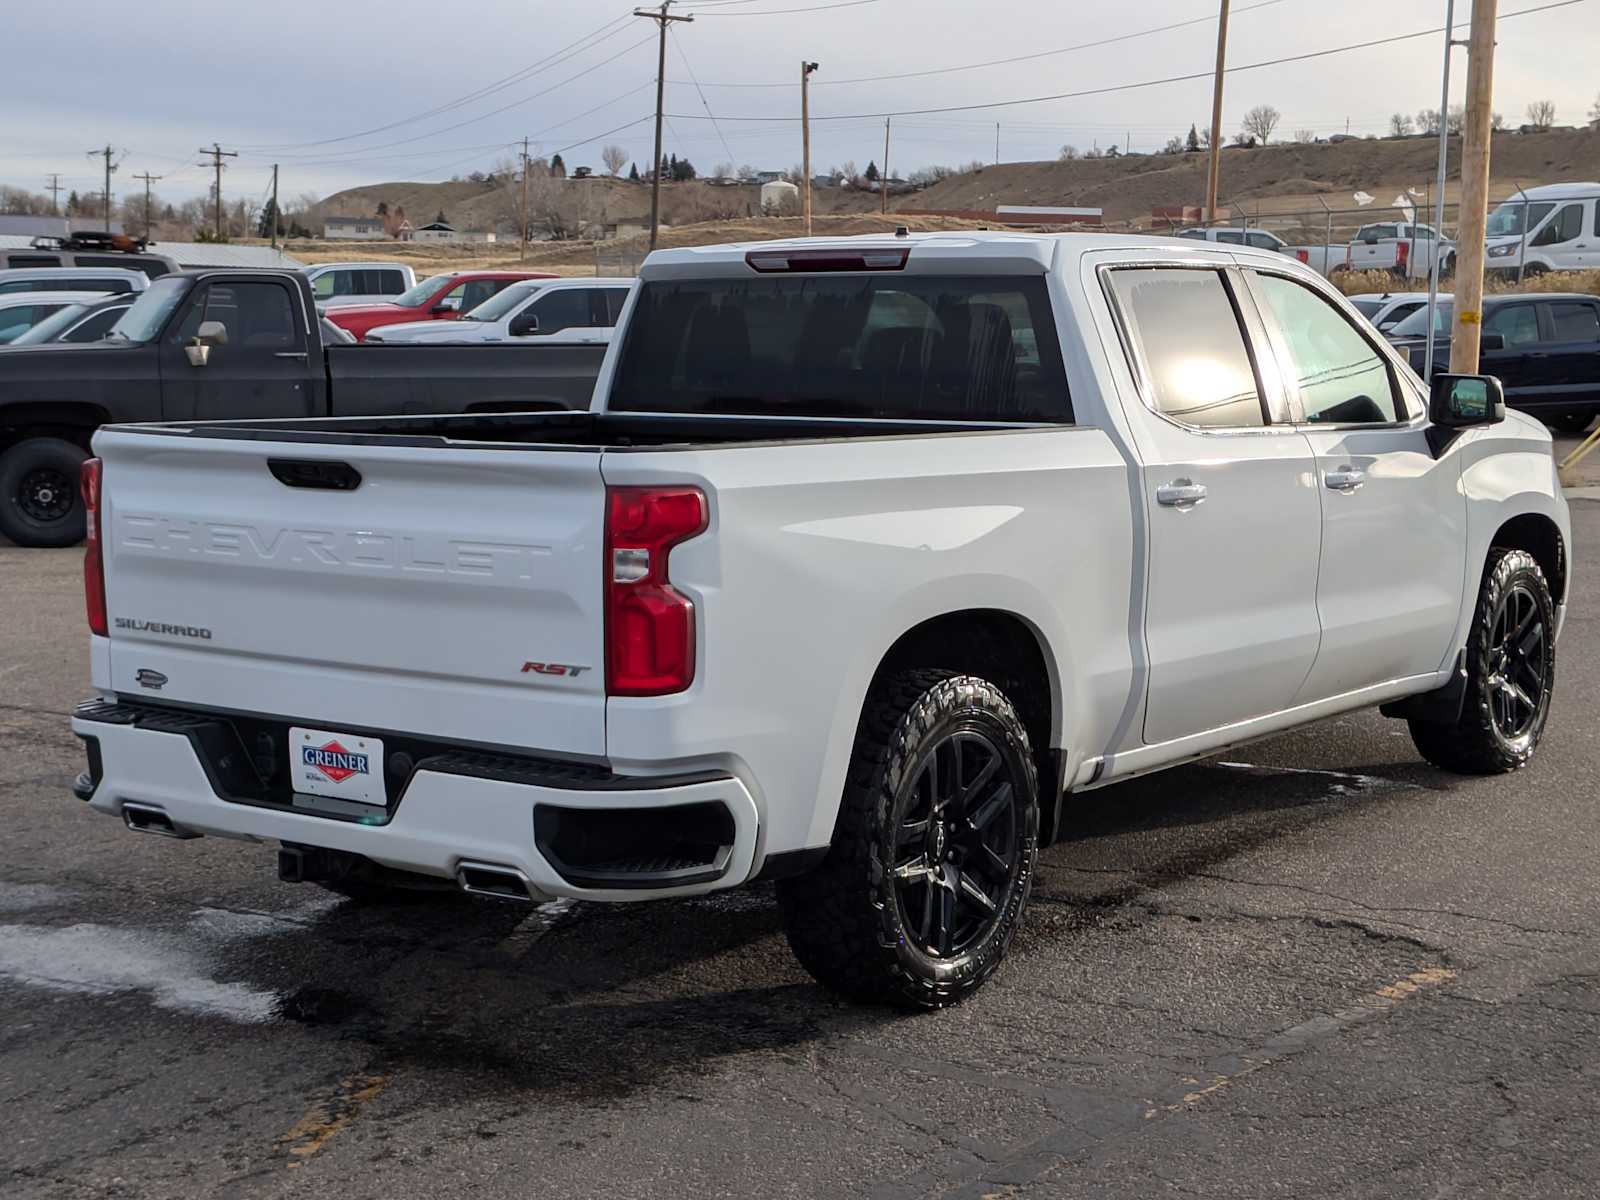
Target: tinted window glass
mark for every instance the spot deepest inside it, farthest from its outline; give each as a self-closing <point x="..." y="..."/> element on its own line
<point x="96" y="327"/>
<point x="1517" y="323"/>
<point x="1367" y="308"/>
<point x="50" y="329"/>
<point x="1574" y="321"/>
<point x="562" y="310"/>
<point x="1340" y="376"/>
<point x="324" y="286"/>
<point x="150" y="311"/>
<point x="1186" y="331"/>
<point x="256" y="315"/>
<point x="1233" y="239"/>
<point x="480" y="290"/>
<point x="882" y="346"/>
<point x="1400" y="312"/>
<point x="17" y="320"/>
<point x="615" y="299"/>
<point x="1563" y="227"/>
<point x="17" y="261"/>
<point x="1263" y="241"/>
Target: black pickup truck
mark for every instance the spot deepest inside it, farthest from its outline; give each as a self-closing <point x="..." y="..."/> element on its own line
<point x="231" y="344"/>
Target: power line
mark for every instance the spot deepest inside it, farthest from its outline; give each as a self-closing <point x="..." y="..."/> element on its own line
<point x="684" y="58"/>
<point x="1148" y="83"/>
<point x="778" y="12"/>
<point x="1001" y="62"/>
<point x="572" y="49"/>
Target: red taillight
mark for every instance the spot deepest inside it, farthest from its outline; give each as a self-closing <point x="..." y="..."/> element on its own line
<point x="1304" y="256"/>
<point x="1402" y="251"/>
<point x="649" y="625"/>
<point x="94" y="575"/>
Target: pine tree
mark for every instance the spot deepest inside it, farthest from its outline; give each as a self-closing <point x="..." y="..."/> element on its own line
<point x="72" y="202"/>
<point x="633" y="172"/>
<point x="662" y="172"/>
<point x="383" y="208"/>
<point x="558" y="168"/>
<point x="682" y="170"/>
<point x="872" y="172"/>
<point x="441" y="219"/>
<point x="269" y="215"/>
<point x="1192" y="142"/>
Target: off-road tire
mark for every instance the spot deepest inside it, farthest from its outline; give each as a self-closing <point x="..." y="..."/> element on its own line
<point x="24" y="517"/>
<point x="1476" y="744"/>
<point x="844" y="919"/>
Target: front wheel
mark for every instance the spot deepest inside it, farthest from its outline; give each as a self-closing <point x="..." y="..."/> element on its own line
<point x="39" y="502"/>
<point x="934" y="851"/>
<point x="1511" y="670"/>
<point x="1573" y="422"/>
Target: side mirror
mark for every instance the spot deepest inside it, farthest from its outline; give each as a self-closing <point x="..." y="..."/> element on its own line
<point x="1457" y="401"/>
<point x="445" y="306"/>
<point x="524" y="324"/>
<point x="210" y="333"/>
<point x="1491" y="341"/>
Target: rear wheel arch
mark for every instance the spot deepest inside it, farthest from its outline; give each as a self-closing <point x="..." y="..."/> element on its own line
<point x="72" y="421"/>
<point x="1008" y="651"/>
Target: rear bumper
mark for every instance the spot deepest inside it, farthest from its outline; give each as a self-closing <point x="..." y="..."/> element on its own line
<point x="452" y="810"/>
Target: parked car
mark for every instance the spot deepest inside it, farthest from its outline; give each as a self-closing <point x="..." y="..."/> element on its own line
<point x="1544" y="348"/>
<point x="1562" y="230"/>
<point x="554" y="310"/>
<point x="1236" y="235"/>
<point x="439" y="298"/>
<point x="203" y="345"/>
<point x="21" y="311"/>
<point x="1402" y="248"/>
<point x="359" y="282"/>
<point x="870" y="551"/>
<point x="152" y="266"/>
<point x="83" y="321"/>
<point x="73" y="279"/>
<point x="1389" y="308"/>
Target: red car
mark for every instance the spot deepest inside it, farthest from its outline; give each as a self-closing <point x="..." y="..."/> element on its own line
<point x="441" y="298"/>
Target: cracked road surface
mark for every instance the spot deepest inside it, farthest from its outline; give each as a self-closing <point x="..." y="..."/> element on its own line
<point x="1311" y="967"/>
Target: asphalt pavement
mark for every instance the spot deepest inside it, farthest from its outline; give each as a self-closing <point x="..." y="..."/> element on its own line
<point x="1311" y="967"/>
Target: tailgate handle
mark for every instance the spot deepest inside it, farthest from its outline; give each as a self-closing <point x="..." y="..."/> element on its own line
<point x="315" y="473"/>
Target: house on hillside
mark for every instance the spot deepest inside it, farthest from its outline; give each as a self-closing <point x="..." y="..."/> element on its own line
<point x="353" y="229"/>
<point x="443" y="231"/>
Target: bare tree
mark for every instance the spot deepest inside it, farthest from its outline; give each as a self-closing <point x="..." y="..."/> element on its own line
<point x="1594" y="112"/>
<point x="1428" y="121"/>
<point x="1455" y="120"/>
<point x="1261" y="120"/>
<point x="1069" y="152"/>
<point x="746" y="173"/>
<point x="1542" y="115"/>
<point x="615" y="158"/>
<point x="1497" y="121"/>
<point x="1305" y="136"/>
<point x="1205" y="138"/>
<point x="1401" y="125"/>
<point x="848" y="172"/>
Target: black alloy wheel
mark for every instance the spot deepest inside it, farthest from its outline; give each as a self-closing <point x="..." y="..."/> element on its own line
<point x="1518" y="678"/>
<point x="46" y="495"/>
<point x="957" y="853"/>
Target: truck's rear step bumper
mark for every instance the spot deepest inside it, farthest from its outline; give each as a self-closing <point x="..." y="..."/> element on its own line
<point x="571" y="829"/>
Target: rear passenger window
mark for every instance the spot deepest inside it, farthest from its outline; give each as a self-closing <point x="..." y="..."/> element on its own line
<point x="1186" y="333"/>
<point x="1517" y="323"/>
<point x="1574" y="321"/>
<point x="1341" y="377"/>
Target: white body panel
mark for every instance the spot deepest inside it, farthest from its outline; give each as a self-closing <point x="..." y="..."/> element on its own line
<point x="498" y="328"/>
<point x="411" y="603"/>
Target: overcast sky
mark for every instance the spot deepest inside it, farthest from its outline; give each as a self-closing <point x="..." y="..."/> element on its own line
<point x="312" y="85"/>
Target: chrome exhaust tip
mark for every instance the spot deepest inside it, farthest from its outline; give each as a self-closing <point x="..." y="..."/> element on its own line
<point x="147" y="818"/>
<point x="496" y="882"/>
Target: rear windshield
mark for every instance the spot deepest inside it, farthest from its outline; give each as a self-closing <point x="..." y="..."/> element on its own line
<point x="907" y="347"/>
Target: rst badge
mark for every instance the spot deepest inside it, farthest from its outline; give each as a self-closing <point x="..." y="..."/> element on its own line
<point x="566" y="670"/>
<point x="324" y="762"/>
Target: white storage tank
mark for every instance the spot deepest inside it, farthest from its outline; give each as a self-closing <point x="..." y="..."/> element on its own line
<point x="779" y="198"/>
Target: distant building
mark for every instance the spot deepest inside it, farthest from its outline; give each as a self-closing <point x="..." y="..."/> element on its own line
<point x="779" y="197"/>
<point x="768" y="176"/>
<point x="53" y="226"/>
<point x="354" y="229"/>
<point x="443" y="231"/>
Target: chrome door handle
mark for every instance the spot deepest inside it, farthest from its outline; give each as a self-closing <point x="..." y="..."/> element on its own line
<point x="1180" y="493"/>
<point x="1345" y="479"/>
<point x="289" y="354"/>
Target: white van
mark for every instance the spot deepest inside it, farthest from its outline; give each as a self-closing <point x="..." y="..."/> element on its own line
<point x="1556" y="223"/>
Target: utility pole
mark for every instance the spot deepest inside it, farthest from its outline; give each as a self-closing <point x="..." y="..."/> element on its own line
<point x="54" y="189"/>
<point x="1435" y="266"/>
<point x="148" y="180"/>
<point x="997" y="143"/>
<point x="217" y="154"/>
<point x="661" y="17"/>
<point x="275" y="213"/>
<point x="106" y="153"/>
<point x="883" y="176"/>
<point x="522" y="248"/>
<point x="805" y="140"/>
<point x="1468" y="319"/>
<point x="1214" y="169"/>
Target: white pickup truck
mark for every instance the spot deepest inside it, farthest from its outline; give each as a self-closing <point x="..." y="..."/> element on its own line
<point x="871" y="554"/>
<point x="1401" y="248"/>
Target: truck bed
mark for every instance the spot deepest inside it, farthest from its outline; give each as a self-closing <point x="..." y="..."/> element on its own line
<point x="387" y="378"/>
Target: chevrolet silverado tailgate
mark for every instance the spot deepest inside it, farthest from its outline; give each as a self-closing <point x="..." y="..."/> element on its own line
<point x="372" y="584"/>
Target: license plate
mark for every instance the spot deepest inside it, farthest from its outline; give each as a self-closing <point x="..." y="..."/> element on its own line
<point x="325" y="762"/>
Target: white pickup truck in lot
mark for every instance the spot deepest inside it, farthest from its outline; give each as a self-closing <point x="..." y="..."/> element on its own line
<point x="870" y="555"/>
